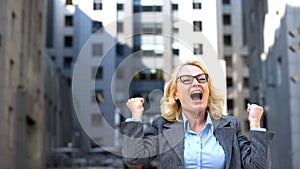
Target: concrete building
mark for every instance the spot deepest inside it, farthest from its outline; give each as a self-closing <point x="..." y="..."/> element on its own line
<point x="114" y="50"/>
<point x="75" y="31"/>
<point x="234" y="50"/>
<point x="22" y="30"/>
<point x="164" y="34"/>
<point x="282" y="87"/>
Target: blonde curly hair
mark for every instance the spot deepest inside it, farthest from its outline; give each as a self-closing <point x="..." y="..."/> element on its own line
<point x="170" y="107"/>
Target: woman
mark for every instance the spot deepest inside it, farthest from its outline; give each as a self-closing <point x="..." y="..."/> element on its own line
<point x="192" y="132"/>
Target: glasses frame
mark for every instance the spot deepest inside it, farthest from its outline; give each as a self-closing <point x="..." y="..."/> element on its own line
<point x="197" y="77"/>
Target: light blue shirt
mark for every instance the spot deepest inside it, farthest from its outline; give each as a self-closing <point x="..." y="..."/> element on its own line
<point x="202" y="151"/>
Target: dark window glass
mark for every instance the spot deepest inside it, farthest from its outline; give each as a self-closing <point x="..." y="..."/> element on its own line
<point x="120" y="49"/>
<point x="120" y="7"/>
<point x="69" y="2"/>
<point x="227" y="40"/>
<point x="137" y="9"/>
<point x="226" y="19"/>
<point x="96" y="26"/>
<point x="175" y="51"/>
<point x="197" y="26"/>
<point x="230" y="104"/>
<point x="68" y="62"/>
<point x="99" y="73"/>
<point x="69" y="20"/>
<point x="68" y="41"/>
<point x="175" y="7"/>
<point x="229" y="82"/>
<point x="226" y="2"/>
<point x="246" y="82"/>
<point x="228" y="60"/>
<point x="197" y="5"/>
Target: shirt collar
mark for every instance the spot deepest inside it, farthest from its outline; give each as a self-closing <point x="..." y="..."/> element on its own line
<point x="186" y="122"/>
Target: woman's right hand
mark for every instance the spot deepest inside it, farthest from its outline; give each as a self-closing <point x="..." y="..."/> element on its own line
<point x="135" y="105"/>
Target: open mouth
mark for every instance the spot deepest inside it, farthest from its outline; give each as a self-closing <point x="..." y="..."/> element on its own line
<point x="197" y="96"/>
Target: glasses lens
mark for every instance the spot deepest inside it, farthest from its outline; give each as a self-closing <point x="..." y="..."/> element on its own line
<point x="186" y="79"/>
<point x="202" y="78"/>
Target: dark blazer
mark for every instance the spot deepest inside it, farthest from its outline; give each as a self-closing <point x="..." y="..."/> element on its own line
<point x="165" y="141"/>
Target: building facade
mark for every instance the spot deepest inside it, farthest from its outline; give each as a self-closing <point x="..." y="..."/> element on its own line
<point x="22" y="29"/>
<point x="234" y="50"/>
<point x="114" y="50"/>
<point x="282" y="86"/>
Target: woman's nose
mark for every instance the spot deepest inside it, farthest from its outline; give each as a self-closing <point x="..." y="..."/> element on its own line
<point x="195" y="82"/>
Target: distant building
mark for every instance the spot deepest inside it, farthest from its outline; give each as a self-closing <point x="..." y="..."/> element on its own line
<point x="22" y="43"/>
<point x="233" y="48"/>
<point x="282" y="86"/>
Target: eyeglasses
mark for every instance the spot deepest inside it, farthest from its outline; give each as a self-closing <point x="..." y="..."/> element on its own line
<point x="188" y="79"/>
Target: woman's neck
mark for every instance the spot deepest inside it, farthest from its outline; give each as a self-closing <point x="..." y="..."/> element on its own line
<point x="196" y="121"/>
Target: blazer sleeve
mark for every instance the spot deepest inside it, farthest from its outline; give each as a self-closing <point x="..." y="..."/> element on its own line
<point x="139" y="147"/>
<point x="255" y="151"/>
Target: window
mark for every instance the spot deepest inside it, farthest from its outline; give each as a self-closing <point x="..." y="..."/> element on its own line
<point x="119" y="27"/>
<point x="69" y="2"/>
<point x="246" y="101"/>
<point x="152" y="28"/>
<point x="40" y="22"/>
<point x="245" y="60"/>
<point x="226" y="2"/>
<point x="96" y="120"/>
<point x="68" y="62"/>
<point x="0" y="40"/>
<point x="96" y="26"/>
<point x="120" y="7"/>
<point x="230" y="104"/>
<point x="175" y="7"/>
<point x="198" y="49"/>
<point x="99" y="96"/>
<point x="68" y="41"/>
<point x="69" y="20"/>
<point x="37" y="61"/>
<point x="136" y="48"/>
<point x="120" y="49"/>
<point x="226" y="19"/>
<point x="10" y="126"/>
<point x="175" y="30"/>
<point x="229" y="82"/>
<point x="196" y="4"/>
<point x="138" y="9"/>
<point x="228" y="60"/>
<point x="97" y="72"/>
<point x="227" y="40"/>
<point x="197" y="26"/>
<point x="279" y="70"/>
<point x="97" y="5"/>
<point x="149" y="74"/>
<point x="246" y="82"/>
<point x="97" y="49"/>
<point x="175" y="51"/>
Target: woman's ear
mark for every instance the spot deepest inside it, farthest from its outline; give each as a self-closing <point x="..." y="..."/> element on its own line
<point x="176" y="96"/>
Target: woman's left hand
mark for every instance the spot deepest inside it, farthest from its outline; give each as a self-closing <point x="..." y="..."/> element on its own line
<point x="255" y="112"/>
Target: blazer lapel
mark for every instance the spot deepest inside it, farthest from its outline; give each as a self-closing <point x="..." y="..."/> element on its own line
<point x="174" y="134"/>
<point x="224" y="133"/>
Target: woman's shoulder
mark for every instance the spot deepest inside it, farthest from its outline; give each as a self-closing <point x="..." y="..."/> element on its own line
<point x="232" y="119"/>
<point x="159" y="120"/>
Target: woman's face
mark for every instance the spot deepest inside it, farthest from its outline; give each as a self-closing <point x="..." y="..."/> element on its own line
<point x="192" y="94"/>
